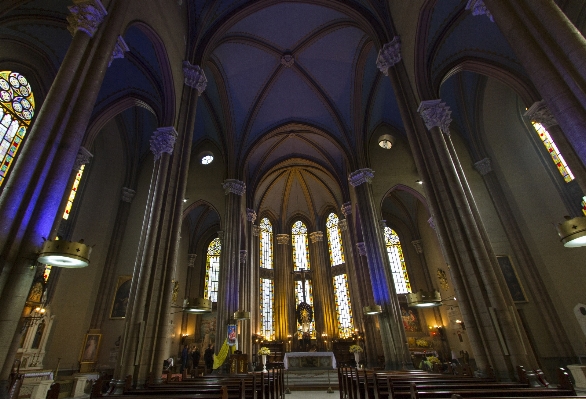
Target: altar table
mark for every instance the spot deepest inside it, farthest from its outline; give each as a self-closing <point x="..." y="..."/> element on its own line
<point x="309" y="359"/>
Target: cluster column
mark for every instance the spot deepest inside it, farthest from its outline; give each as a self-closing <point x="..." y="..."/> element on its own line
<point x="323" y="292"/>
<point x="285" y="323"/>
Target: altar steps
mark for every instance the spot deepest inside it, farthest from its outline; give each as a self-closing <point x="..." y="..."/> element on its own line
<point x="316" y="380"/>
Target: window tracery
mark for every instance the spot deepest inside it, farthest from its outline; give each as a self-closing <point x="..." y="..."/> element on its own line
<point x="267" y="288"/>
<point x="212" y="270"/>
<point x="397" y="261"/>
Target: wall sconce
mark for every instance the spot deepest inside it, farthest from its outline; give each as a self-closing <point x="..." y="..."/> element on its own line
<point x="197" y="305"/>
<point x="386" y="141"/>
<point x="572" y="232"/>
<point x="62" y="253"/>
<point x="372" y="310"/>
<point x="461" y="323"/>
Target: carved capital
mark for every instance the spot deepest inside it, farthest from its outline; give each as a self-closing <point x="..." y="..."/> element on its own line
<point x="361" y="176"/>
<point x="255" y="230"/>
<point x="83" y="158"/>
<point x="86" y="16"/>
<point x="287" y="60"/>
<point x="361" y="248"/>
<point x="191" y="260"/>
<point x="382" y="224"/>
<point x="418" y="246"/>
<point x="478" y="8"/>
<point x="234" y="186"/>
<point x="346" y="208"/>
<point x="435" y="113"/>
<point x="242" y="256"/>
<point x="163" y="141"/>
<point x="250" y="215"/>
<point x="389" y="55"/>
<point x="539" y="113"/>
<point x="316" y="236"/>
<point x="127" y="195"/>
<point x="119" y="49"/>
<point x="283" y="239"/>
<point x="194" y="77"/>
<point x="431" y="222"/>
<point x="483" y="166"/>
<point x="343" y="225"/>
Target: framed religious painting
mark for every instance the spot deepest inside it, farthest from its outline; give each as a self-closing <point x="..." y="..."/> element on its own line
<point x="511" y="278"/>
<point x="91" y="346"/>
<point x="120" y="299"/>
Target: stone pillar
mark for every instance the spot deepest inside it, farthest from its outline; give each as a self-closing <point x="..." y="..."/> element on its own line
<point x="323" y="290"/>
<point x="249" y="284"/>
<point x="284" y="324"/>
<point x="229" y="276"/>
<point x="536" y="286"/>
<point x="552" y="51"/>
<point x="392" y="333"/>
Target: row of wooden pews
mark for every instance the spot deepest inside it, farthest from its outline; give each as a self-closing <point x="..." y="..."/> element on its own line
<point x="256" y="385"/>
<point x="368" y="384"/>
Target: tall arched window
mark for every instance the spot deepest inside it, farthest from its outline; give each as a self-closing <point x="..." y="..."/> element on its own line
<point x="73" y="192"/>
<point x="301" y="262"/>
<point x="267" y="298"/>
<point x="17" y="106"/>
<point x="398" y="267"/>
<point x="340" y="278"/>
<point x="212" y="270"/>
<point x="555" y="154"/>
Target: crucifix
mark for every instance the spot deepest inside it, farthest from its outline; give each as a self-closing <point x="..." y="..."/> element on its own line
<point x="302" y="273"/>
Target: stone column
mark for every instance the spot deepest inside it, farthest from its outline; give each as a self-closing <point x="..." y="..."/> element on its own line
<point x="229" y="276"/>
<point x="250" y="284"/>
<point x="284" y="324"/>
<point x="323" y="290"/>
<point x="392" y="333"/>
<point x="536" y="286"/>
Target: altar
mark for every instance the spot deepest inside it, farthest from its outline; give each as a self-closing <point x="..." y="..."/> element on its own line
<point x="309" y="360"/>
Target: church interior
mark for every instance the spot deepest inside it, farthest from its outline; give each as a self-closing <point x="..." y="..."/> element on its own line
<point x="404" y="176"/>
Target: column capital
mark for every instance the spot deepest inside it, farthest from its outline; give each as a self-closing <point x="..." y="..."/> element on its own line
<point x="86" y="16"/>
<point x="431" y="222"/>
<point x="194" y="77"/>
<point x="382" y="223"/>
<point x="343" y="225"/>
<point x="163" y="141"/>
<point x="242" y="256"/>
<point x="361" y="176"/>
<point x="346" y="208"/>
<point x="83" y="158"/>
<point x="250" y="215"/>
<point x="484" y="166"/>
<point x="127" y="194"/>
<point x="234" y="186"/>
<point x="418" y="246"/>
<point x="255" y="230"/>
<point x="479" y="8"/>
<point x="316" y="236"/>
<point x="435" y="113"/>
<point x="191" y="260"/>
<point x="361" y="248"/>
<point x="389" y="55"/>
<point x="540" y="113"/>
<point x="119" y="49"/>
<point x="283" y="239"/>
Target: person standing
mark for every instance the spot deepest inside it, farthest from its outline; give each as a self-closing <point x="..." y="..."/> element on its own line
<point x="208" y="358"/>
<point x="195" y="356"/>
<point x="184" y="358"/>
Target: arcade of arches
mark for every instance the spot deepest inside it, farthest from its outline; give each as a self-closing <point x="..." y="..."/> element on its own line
<point x="298" y="160"/>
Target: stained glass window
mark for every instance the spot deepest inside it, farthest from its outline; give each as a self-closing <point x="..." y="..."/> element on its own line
<point x="343" y="308"/>
<point x="397" y="262"/>
<point x="334" y="240"/>
<point x="555" y="154"/>
<point x="267" y="298"/>
<point x="212" y="270"/>
<point x="17" y="107"/>
<point x="73" y="192"/>
<point x="301" y="262"/>
<point x="584" y="205"/>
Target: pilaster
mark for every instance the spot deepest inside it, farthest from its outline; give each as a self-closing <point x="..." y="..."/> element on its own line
<point x="284" y="300"/>
<point x="322" y="286"/>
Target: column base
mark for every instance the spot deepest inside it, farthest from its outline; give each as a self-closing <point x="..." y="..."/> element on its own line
<point x="117" y="387"/>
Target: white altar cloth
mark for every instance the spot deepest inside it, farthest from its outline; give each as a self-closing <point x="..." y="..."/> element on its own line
<point x="308" y="354"/>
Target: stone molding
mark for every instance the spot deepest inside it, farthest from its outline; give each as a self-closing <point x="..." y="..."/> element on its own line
<point x="250" y="215"/>
<point x="484" y="166"/>
<point x="540" y="113"/>
<point x="255" y="230"/>
<point x="163" y="141"/>
<point x="389" y="55"/>
<point x="361" y="248"/>
<point x="242" y="256"/>
<point x="316" y="236"/>
<point x="346" y="208"/>
<point x="343" y="225"/>
<point x="418" y="246"/>
<point x="119" y="49"/>
<point x="83" y="157"/>
<point x="431" y="222"/>
<point x="283" y="239"/>
<point x="194" y="77"/>
<point x="127" y="194"/>
<point x="191" y="260"/>
<point x="234" y="186"/>
<point x="435" y="113"/>
<point x="361" y="176"/>
<point x="479" y="8"/>
<point x="287" y="60"/>
<point x="86" y="16"/>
